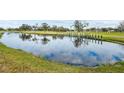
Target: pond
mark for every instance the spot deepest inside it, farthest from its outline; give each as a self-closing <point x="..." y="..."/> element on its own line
<point x="76" y="51"/>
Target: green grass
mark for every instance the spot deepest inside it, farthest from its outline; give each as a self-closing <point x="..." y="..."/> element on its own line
<point x="14" y="60"/>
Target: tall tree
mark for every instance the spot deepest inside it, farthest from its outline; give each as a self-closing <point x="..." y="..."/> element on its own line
<point x="54" y="28"/>
<point x="121" y="26"/>
<point x="61" y="28"/>
<point x="45" y="26"/>
<point x="2" y="29"/>
<point x="79" y="26"/>
<point x="25" y="27"/>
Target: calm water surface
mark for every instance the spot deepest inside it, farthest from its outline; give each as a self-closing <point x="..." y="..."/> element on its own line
<point x="69" y="50"/>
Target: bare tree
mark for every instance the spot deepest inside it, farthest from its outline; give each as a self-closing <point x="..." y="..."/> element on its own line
<point x="79" y="26"/>
<point x="121" y="26"/>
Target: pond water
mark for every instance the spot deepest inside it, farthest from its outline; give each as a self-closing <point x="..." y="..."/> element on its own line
<point x="76" y="51"/>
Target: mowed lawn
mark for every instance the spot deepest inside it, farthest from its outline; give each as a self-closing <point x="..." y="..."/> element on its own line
<point x="13" y="60"/>
<point x="113" y="36"/>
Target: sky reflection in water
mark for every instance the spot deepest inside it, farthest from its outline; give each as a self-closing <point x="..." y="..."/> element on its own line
<point x="69" y="50"/>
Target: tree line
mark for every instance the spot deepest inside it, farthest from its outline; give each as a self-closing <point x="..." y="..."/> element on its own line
<point x="36" y="27"/>
<point x="78" y="25"/>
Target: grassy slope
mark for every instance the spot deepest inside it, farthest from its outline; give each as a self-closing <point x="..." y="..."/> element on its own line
<point x="12" y="60"/>
<point x="113" y="37"/>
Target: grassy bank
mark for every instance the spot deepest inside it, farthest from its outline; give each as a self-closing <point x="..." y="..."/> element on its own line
<point x="13" y="60"/>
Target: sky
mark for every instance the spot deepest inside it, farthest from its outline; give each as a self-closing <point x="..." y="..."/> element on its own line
<point x="65" y="23"/>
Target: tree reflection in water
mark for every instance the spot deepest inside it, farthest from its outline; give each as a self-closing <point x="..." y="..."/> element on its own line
<point x="25" y="36"/>
<point x="61" y="37"/>
<point x="79" y="41"/>
<point x="45" y="40"/>
<point x="54" y="37"/>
